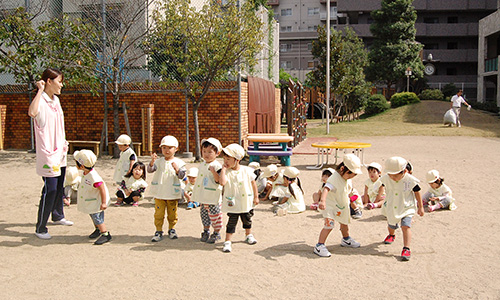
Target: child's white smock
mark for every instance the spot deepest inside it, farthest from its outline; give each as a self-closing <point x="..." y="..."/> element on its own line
<point x="89" y="197"/>
<point x="400" y="199"/>
<point x="135" y="184"/>
<point x="337" y="199"/>
<point x="238" y="190"/>
<point x="294" y="204"/>
<point x="373" y="188"/>
<point x="123" y="165"/>
<point x="165" y="184"/>
<point x="206" y="190"/>
<point x="278" y="190"/>
<point x="444" y="191"/>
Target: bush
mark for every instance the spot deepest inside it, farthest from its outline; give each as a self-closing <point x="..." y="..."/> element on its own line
<point x="490" y="106"/>
<point x="449" y="90"/>
<point x="431" y="94"/>
<point x="404" y="98"/>
<point x="376" y="104"/>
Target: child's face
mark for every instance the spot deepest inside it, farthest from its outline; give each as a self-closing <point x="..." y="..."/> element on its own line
<point x="137" y="172"/>
<point x="374" y="174"/>
<point x="348" y="174"/>
<point x="209" y="154"/>
<point x="230" y="162"/>
<point x="398" y="176"/>
<point x="272" y="178"/>
<point x="123" y="147"/>
<point x="434" y="185"/>
<point x="191" y="179"/>
<point x="168" y="151"/>
<point x="324" y="178"/>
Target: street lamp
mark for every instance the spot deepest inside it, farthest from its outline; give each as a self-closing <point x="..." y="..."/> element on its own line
<point x="408" y="74"/>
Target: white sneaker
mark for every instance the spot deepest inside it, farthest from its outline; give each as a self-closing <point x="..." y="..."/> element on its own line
<point x="63" y="222"/>
<point x="250" y="239"/>
<point x="322" y="251"/>
<point x="43" y="236"/>
<point x="227" y="246"/>
<point x="350" y="242"/>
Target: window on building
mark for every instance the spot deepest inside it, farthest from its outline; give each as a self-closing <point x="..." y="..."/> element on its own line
<point x="431" y="20"/>
<point x="309" y="46"/>
<point x="430" y="46"/>
<point x="285" y="47"/>
<point x="312" y="28"/>
<point x="452" y="45"/>
<point x="286" y="29"/>
<point x="311" y="64"/>
<point x="311" y="11"/>
<point x="91" y="13"/>
<point x="451" y="71"/>
<point x="453" y="19"/>
<point x="286" y="12"/>
<point x="286" y="64"/>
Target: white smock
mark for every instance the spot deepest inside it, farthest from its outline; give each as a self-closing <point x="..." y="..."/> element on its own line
<point x="337" y="199"/>
<point x="442" y="191"/>
<point x="373" y="188"/>
<point x="294" y="204"/>
<point x="278" y="190"/>
<point x="89" y="197"/>
<point x="123" y="165"/>
<point x="206" y="190"/>
<point x="165" y="184"/>
<point x="238" y="191"/>
<point x="400" y="199"/>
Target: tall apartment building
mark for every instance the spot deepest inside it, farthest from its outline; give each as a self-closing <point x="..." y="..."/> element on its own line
<point x="298" y="23"/>
<point x="448" y="29"/>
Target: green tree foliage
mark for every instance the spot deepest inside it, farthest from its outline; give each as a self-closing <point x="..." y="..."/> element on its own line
<point x="404" y="98"/>
<point x="431" y="94"/>
<point x="204" y="45"/>
<point x="376" y="104"/>
<point x="394" y="48"/>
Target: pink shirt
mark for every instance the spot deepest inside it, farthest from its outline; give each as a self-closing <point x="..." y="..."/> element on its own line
<point x="50" y="138"/>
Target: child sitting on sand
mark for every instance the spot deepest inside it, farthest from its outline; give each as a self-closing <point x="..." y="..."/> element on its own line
<point x="325" y="174"/>
<point x="439" y="195"/>
<point x="132" y="186"/>
<point x="275" y="183"/>
<point x="374" y="195"/>
<point x="293" y="201"/>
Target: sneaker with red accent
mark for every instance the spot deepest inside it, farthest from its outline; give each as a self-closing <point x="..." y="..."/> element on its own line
<point x="389" y="239"/>
<point x="406" y="254"/>
<point x="135" y="204"/>
<point x="314" y="206"/>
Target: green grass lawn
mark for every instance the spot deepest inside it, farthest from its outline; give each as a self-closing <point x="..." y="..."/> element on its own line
<point x="424" y="118"/>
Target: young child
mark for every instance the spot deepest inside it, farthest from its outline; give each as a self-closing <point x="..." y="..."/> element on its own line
<point x="240" y="194"/>
<point x="335" y="204"/>
<point x="127" y="158"/>
<point x="325" y="174"/>
<point x="293" y="202"/>
<point x="93" y="195"/>
<point x="208" y="191"/>
<point x="275" y="183"/>
<point x="71" y="182"/>
<point x="188" y="188"/>
<point x="166" y="186"/>
<point x="132" y="186"/>
<point x="439" y="195"/>
<point x="356" y="204"/>
<point x="259" y="179"/>
<point x="373" y="196"/>
<point x="402" y="201"/>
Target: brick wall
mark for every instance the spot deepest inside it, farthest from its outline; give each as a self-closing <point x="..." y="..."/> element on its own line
<point x="218" y="117"/>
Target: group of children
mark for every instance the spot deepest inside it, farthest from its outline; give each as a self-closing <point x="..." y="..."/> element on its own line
<point x="236" y="189"/>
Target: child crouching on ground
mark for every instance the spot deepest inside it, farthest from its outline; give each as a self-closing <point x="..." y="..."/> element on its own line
<point x="293" y="201"/>
<point x="132" y="186"/>
<point x="192" y="174"/>
<point x="325" y="174"/>
<point x="373" y="196"/>
<point x="439" y="195"/>
<point x="93" y="195"/>
<point x="71" y="182"/>
<point x="240" y="194"/>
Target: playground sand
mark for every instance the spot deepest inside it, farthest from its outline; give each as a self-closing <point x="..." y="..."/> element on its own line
<point x="454" y="253"/>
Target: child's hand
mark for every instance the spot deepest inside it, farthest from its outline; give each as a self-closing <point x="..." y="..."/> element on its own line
<point x="153" y="158"/>
<point x="211" y="169"/>
<point x="433" y="199"/>
<point x="176" y="168"/>
<point x="103" y="206"/>
<point x="421" y="211"/>
<point x="322" y="205"/>
<point x="256" y="200"/>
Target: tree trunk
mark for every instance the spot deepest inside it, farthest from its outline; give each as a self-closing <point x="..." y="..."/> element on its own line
<point x="116" y="122"/>
<point x="197" y="153"/>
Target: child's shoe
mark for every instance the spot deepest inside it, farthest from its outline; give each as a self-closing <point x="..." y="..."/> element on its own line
<point x="205" y="235"/>
<point x="135" y="204"/>
<point x="196" y="204"/>
<point x="95" y="234"/>
<point x="389" y="239"/>
<point x="370" y="206"/>
<point x="357" y="214"/>
<point x="405" y="254"/>
<point x="213" y="238"/>
<point x="172" y="234"/>
<point x="314" y="206"/>
<point x="250" y="239"/>
<point x="43" y="236"/>
<point x="119" y="203"/>
<point x="190" y="205"/>
<point x="322" y="251"/>
<point x="350" y="242"/>
<point x="157" y="237"/>
<point x="104" y="238"/>
<point x="227" y="246"/>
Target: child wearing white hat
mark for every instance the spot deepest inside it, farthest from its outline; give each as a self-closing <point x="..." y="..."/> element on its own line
<point x="127" y="158"/>
<point x="374" y="195"/>
<point x="402" y="201"/>
<point x="93" y="194"/>
<point x="293" y="201"/>
<point x="240" y="194"/>
<point x="439" y="195"/>
<point x="71" y="182"/>
<point x="335" y="204"/>
<point x="166" y="186"/>
<point x="259" y="178"/>
<point x="191" y="175"/>
<point x="275" y="183"/>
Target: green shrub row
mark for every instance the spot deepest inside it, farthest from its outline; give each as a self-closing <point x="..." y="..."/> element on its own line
<point x="376" y="104"/>
<point x="404" y="98"/>
<point x="431" y="94"/>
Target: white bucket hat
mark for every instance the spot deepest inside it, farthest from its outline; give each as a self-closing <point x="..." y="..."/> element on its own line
<point x="269" y="171"/>
<point x="235" y="150"/>
<point x="169" y="140"/>
<point x="254" y="165"/>
<point x="123" y="140"/>
<point x="375" y="166"/>
<point x="353" y="163"/>
<point x="72" y="175"/>
<point x="395" y="165"/>
<point x="291" y="172"/>
<point x="192" y="172"/>
<point x="214" y="142"/>
<point x="432" y="176"/>
<point x="85" y="157"/>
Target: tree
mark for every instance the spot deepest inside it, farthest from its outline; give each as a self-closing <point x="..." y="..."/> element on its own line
<point x="394" y="48"/>
<point x="204" y="45"/>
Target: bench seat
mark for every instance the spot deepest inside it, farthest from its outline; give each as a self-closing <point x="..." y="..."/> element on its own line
<point x="93" y="145"/>
<point x="284" y="155"/>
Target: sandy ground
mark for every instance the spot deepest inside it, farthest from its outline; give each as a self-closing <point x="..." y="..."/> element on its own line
<point x="455" y="254"/>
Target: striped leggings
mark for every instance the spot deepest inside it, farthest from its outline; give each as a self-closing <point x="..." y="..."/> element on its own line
<point x="211" y="215"/>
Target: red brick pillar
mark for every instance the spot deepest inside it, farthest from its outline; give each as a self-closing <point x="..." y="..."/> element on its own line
<point x="3" y="116"/>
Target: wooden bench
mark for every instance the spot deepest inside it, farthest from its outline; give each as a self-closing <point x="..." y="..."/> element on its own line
<point x="283" y="155"/>
<point x="137" y="148"/>
<point x="92" y="145"/>
<point x="270" y="145"/>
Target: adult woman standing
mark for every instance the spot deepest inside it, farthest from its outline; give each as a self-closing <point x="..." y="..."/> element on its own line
<point x="51" y="149"/>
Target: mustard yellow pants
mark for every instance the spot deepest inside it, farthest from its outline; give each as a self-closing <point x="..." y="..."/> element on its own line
<point x="171" y="207"/>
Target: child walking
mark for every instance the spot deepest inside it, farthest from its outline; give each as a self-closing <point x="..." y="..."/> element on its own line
<point x="191" y="176"/>
<point x="325" y="174"/>
<point x="93" y="195"/>
<point x="402" y="201"/>
<point x="335" y="204"/>
<point x="166" y="186"/>
<point x="373" y="196"/>
<point x="127" y="158"/>
<point x="293" y="201"/>
<point x="240" y="194"/>
<point x="132" y="186"/>
<point x="439" y="195"/>
<point x="208" y="191"/>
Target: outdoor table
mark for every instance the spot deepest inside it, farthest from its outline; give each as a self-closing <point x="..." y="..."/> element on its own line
<point x="323" y="149"/>
<point x="280" y="138"/>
